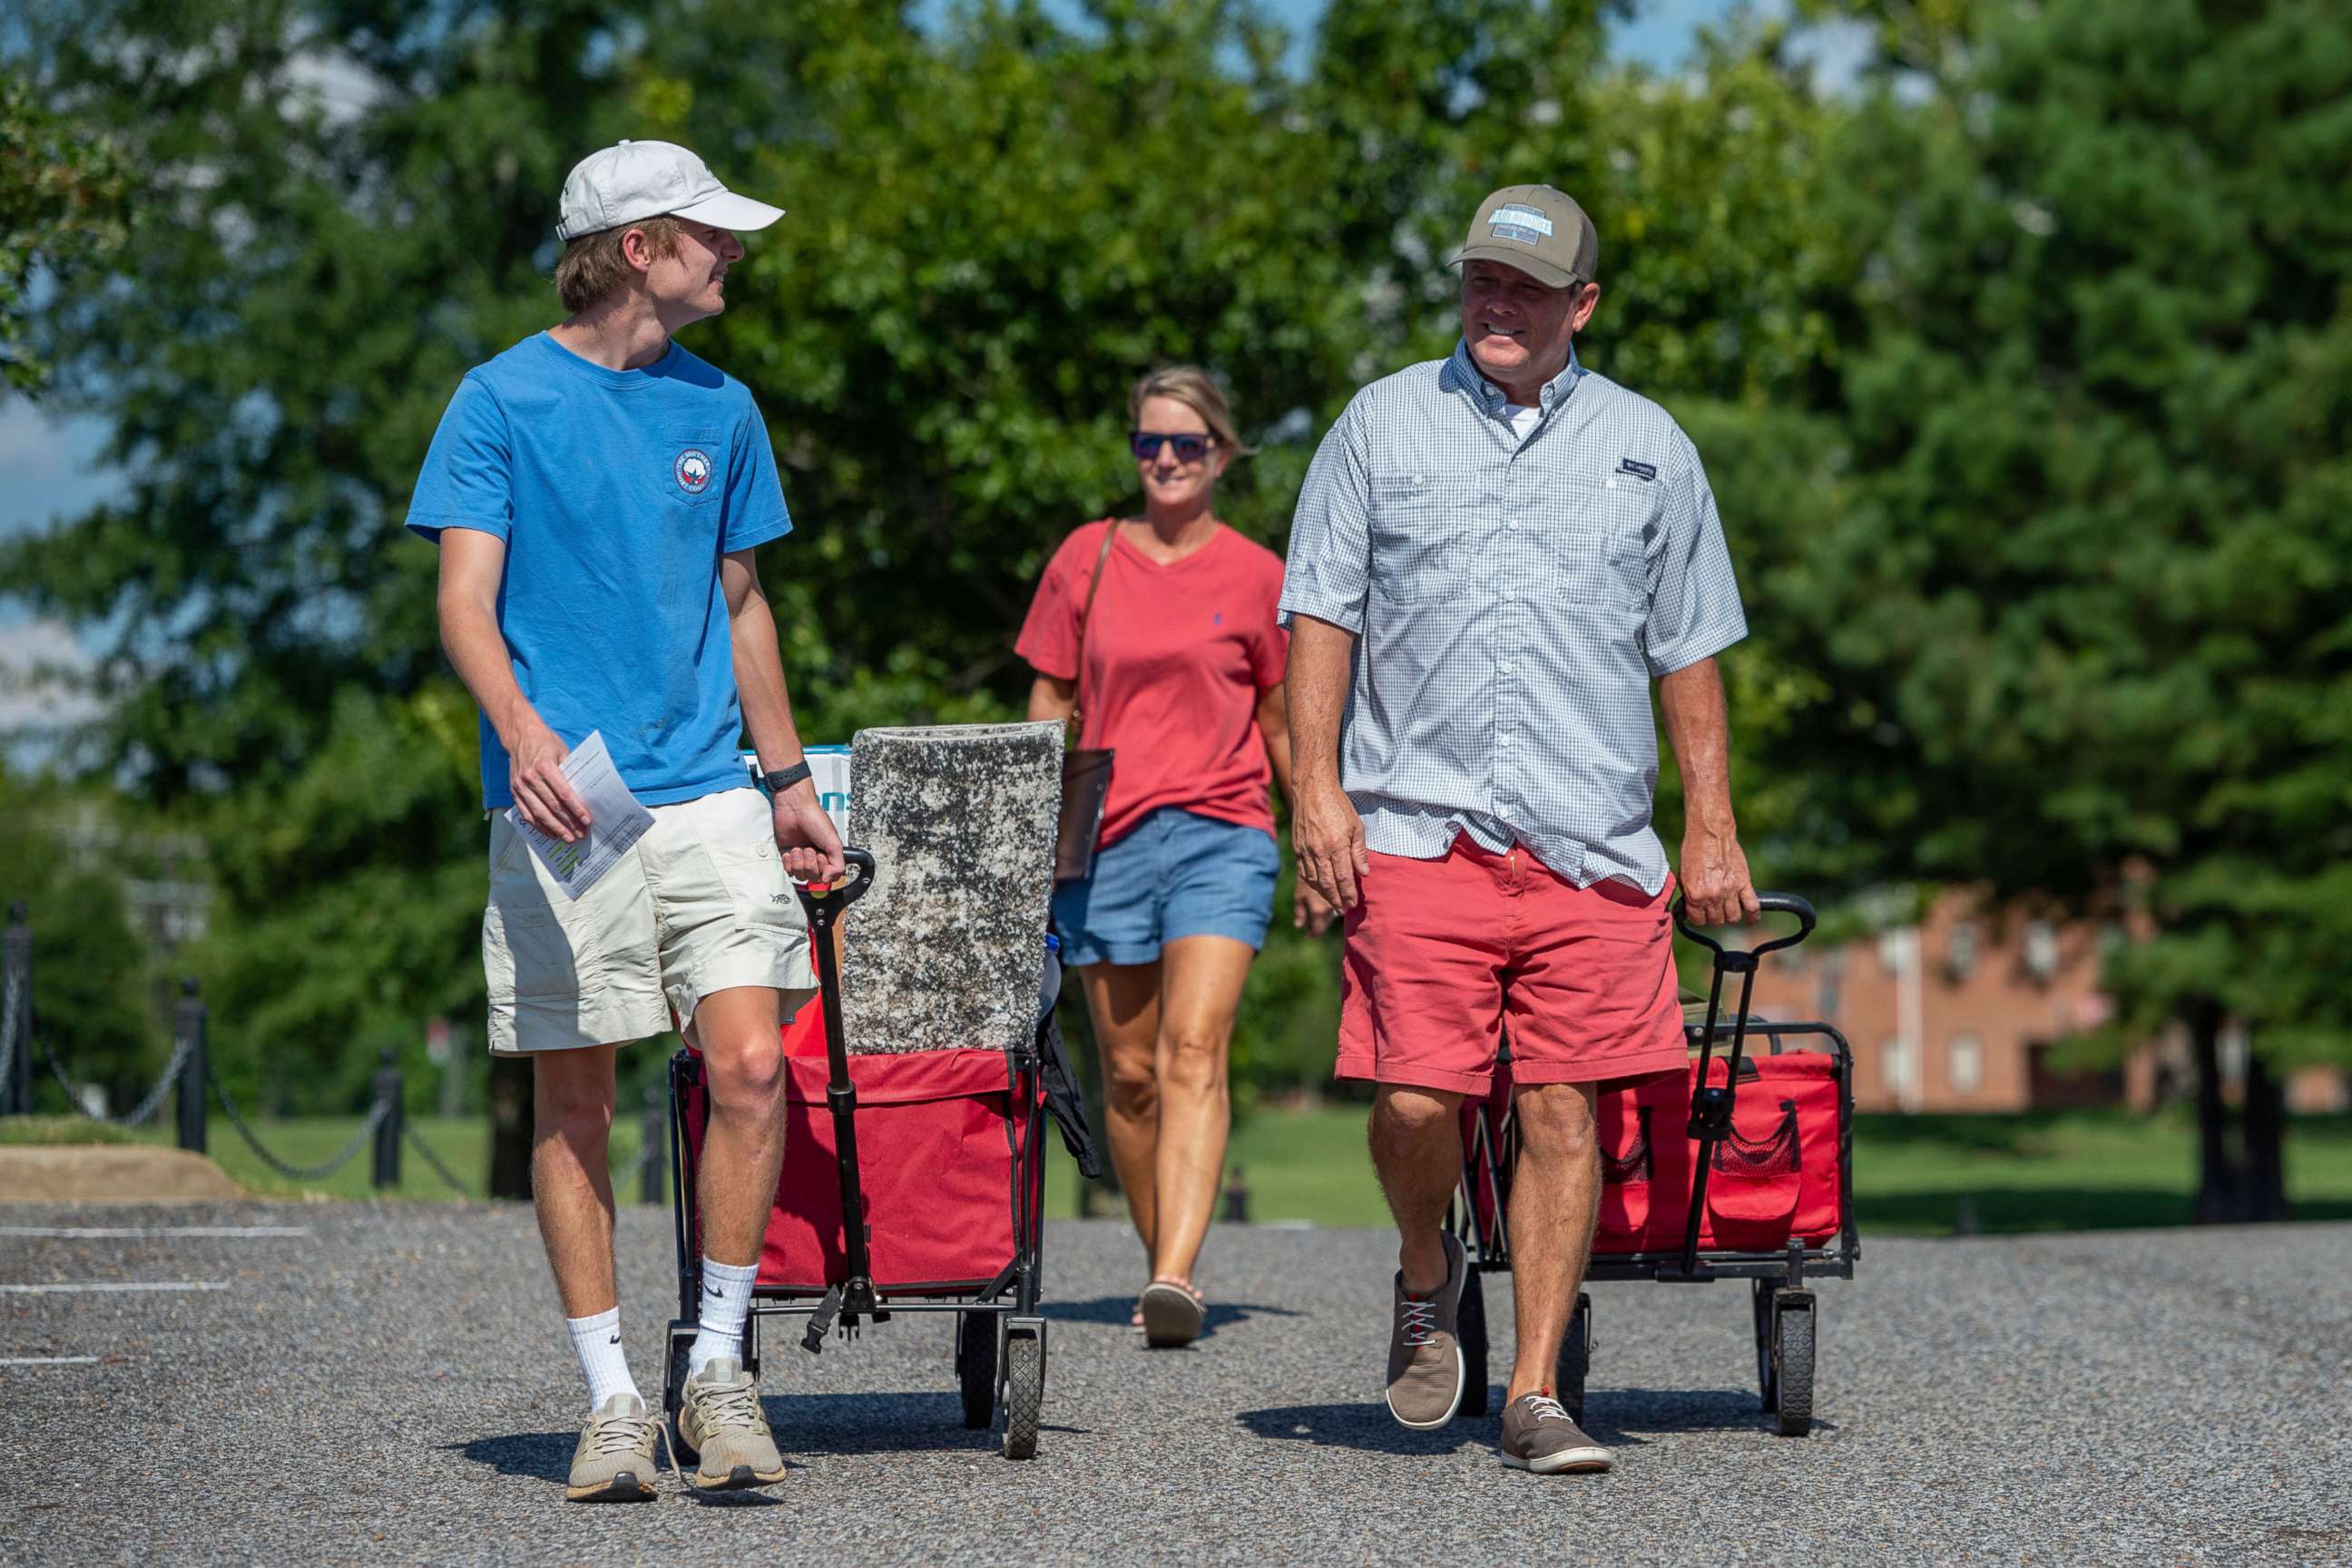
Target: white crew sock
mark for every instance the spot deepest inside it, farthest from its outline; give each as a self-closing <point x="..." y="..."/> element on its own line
<point x="598" y="1341"/>
<point x="726" y="1302"/>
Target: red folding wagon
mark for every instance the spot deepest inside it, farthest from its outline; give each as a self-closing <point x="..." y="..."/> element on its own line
<point x="1740" y="1168"/>
<point x="911" y="1183"/>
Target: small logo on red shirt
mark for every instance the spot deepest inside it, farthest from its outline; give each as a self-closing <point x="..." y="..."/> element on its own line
<point x="693" y="470"/>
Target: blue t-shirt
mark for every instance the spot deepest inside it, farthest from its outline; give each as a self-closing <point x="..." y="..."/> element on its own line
<point x="616" y="492"/>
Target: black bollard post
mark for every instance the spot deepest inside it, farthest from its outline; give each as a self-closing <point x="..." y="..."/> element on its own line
<point x="387" y="1130"/>
<point x="17" y="1021"/>
<point x="188" y="1031"/>
<point x="654" y="1144"/>
<point x="1237" y="1196"/>
<point x="511" y="1122"/>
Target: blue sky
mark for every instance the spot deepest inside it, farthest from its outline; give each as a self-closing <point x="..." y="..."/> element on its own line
<point x="51" y="467"/>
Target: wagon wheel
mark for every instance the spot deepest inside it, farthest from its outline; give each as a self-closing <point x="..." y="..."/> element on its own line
<point x="1793" y="1354"/>
<point x="1575" y="1358"/>
<point x="1024" y="1385"/>
<point x="1765" y="1384"/>
<point x="975" y="1361"/>
<point x="1470" y="1333"/>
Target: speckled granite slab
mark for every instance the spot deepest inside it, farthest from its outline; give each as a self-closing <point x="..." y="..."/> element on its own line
<point x="945" y="951"/>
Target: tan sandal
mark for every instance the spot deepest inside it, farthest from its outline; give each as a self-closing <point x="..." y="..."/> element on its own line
<point x="1173" y="1313"/>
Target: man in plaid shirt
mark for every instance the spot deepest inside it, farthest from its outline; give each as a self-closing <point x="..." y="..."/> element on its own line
<point x="1493" y="556"/>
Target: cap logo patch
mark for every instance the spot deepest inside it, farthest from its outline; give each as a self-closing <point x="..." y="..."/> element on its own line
<point x="1527" y="225"/>
<point x="693" y="470"/>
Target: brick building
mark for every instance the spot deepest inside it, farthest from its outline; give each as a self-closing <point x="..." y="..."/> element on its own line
<point x="1956" y="1013"/>
<point x="1964" y="1013"/>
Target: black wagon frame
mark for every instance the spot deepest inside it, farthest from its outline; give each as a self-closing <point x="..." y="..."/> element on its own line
<point x="1785" y="1311"/>
<point x="1000" y="1339"/>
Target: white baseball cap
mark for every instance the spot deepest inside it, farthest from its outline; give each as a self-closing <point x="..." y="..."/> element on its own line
<point x="631" y="181"/>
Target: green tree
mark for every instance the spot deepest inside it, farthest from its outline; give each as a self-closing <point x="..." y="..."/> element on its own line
<point x="307" y="275"/>
<point x="62" y="855"/>
<point x="996" y="222"/>
<point x="61" y="193"/>
<point x="2080" y="594"/>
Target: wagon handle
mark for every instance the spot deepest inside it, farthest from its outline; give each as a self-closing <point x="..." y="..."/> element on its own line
<point x="858" y="865"/>
<point x="1710" y="1117"/>
<point x="825" y="903"/>
<point x="1766" y="903"/>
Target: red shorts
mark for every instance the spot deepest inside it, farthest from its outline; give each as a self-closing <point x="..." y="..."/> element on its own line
<point x="1440" y="951"/>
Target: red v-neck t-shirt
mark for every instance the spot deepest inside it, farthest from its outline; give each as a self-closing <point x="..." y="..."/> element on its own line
<point x="1177" y="656"/>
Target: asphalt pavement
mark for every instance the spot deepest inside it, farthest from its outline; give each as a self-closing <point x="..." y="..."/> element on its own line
<point x="390" y="1384"/>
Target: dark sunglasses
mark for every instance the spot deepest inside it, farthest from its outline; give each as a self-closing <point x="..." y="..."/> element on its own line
<point x="1190" y="448"/>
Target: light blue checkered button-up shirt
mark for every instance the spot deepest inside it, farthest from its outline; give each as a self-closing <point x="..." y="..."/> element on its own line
<point x="1512" y="600"/>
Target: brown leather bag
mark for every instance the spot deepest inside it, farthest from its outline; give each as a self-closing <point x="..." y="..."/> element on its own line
<point x="1085" y="771"/>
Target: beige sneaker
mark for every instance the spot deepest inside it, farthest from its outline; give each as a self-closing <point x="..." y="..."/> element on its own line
<point x="719" y="1419"/>
<point x="1425" y="1371"/>
<point x="1538" y="1437"/>
<point x="615" y="1461"/>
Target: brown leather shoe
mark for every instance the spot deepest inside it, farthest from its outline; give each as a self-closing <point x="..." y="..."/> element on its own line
<point x="1425" y="1371"/>
<point x="1538" y="1437"/>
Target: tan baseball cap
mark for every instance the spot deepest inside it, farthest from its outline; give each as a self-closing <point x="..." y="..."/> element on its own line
<point x="1540" y="231"/>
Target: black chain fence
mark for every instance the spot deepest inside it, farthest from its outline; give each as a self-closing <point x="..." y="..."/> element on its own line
<point x="458" y="1183"/>
<point x="360" y="1140"/>
<point x="190" y="1071"/>
<point x="146" y="1109"/>
<point x="385" y="1128"/>
<point x="385" y="1106"/>
<point x="174" y="1076"/>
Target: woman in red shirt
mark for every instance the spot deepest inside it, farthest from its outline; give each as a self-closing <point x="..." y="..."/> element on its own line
<point x="1183" y="680"/>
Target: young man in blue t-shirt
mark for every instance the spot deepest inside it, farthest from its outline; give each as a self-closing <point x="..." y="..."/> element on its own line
<point x="598" y="493"/>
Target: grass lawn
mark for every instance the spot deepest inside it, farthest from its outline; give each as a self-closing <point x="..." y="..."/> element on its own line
<point x="2068" y="1170"/>
<point x="1913" y="1175"/>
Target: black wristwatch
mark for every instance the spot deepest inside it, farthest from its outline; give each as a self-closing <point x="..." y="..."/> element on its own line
<point x="783" y="779"/>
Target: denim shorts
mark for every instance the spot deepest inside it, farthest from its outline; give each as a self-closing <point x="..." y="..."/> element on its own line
<point x="1174" y="875"/>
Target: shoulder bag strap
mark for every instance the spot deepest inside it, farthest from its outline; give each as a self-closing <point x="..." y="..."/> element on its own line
<point x="1075" y="725"/>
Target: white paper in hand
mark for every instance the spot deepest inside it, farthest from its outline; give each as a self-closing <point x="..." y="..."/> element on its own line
<point x="615" y="820"/>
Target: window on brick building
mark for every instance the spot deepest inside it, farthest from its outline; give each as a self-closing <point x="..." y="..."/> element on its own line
<point x="2041" y="950"/>
<point x="1894" y="949"/>
<point x="1960" y="950"/>
<point x="1827" y="988"/>
<point x="1895" y="1067"/>
<point x="1965" y="1064"/>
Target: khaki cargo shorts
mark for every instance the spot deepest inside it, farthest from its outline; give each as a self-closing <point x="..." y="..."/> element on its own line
<point x="700" y="904"/>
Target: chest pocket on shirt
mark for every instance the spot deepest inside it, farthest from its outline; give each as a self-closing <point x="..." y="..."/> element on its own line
<point x="1417" y="534"/>
<point x="1595" y="541"/>
<point x="689" y="470"/>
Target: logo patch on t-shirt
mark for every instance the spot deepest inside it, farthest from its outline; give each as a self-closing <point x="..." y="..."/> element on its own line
<point x="693" y="470"/>
<point x="1639" y="470"/>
